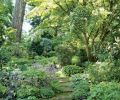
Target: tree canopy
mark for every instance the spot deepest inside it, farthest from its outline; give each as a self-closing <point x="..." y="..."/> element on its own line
<point x="72" y="51"/>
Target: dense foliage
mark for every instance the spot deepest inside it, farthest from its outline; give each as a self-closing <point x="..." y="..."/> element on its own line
<point x="71" y="70"/>
<point x="105" y="91"/>
<point x="72" y="51"/>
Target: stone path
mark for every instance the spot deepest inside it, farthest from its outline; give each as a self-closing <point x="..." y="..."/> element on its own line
<point x="65" y="84"/>
<point x="66" y="90"/>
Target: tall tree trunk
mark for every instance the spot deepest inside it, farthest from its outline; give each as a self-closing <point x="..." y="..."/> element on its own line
<point x="18" y="17"/>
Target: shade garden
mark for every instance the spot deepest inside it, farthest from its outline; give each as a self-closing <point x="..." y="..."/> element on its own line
<point x="71" y="52"/>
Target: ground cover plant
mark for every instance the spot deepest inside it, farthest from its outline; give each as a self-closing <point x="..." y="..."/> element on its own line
<point x="59" y="49"/>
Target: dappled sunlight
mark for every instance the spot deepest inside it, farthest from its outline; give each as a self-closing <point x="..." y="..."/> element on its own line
<point x="59" y="50"/>
<point x="60" y="73"/>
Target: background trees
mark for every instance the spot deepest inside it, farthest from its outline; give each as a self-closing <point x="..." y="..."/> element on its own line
<point x="5" y="18"/>
<point x="91" y="22"/>
<point x="71" y="52"/>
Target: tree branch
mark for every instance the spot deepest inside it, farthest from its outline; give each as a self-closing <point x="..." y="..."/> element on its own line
<point x="60" y="6"/>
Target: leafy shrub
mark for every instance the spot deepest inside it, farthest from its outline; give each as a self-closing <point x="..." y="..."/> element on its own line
<point x="81" y="88"/>
<point x="4" y="78"/>
<point x="55" y="85"/>
<point x="103" y="71"/>
<point x="51" y="54"/>
<point x="67" y="53"/>
<point x="41" y="46"/>
<point x="5" y="55"/>
<point x="26" y="90"/>
<point x="114" y="50"/>
<point x="80" y="76"/>
<point x="46" y="92"/>
<point x="32" y="98"/>
<point x="18" y="50"/>
<point x="109" y="51"/>
<point x="20" y="63"/>
<point x="35" y="48"/>
<point x="57" y="41"/>
<point x="71" y="69"/>
<point x="35" y="21"/>
<point x="7" y="51"/>
<point x="102" y="55"/>
<point x="83" y="56"/>
<point x="37" y="84"/>
<point x="75" y="60"/>
<point x="47" y="34"/>
<point x="115" y="71"/>
<point x="46" y="44"/>
<point x="64" y="54"/>
<point x="105" y="91"/>
<point x="99" y="72"/>
<point x="3" y="90"/>
<point x="80" y="57"/>
<point x="40" y="75"/>
<point x="35" y="77"/>
<point x="46" y="60"/>
<point x="28" y="98"/>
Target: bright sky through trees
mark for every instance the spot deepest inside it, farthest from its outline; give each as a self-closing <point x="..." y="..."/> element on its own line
<point x="26" y="25"/>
